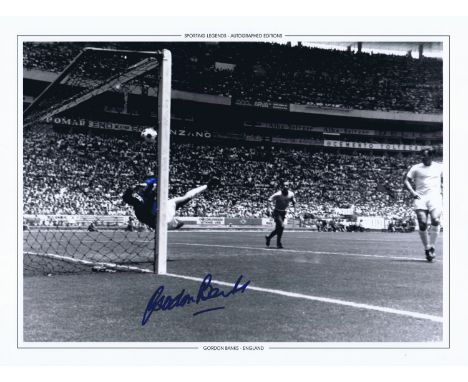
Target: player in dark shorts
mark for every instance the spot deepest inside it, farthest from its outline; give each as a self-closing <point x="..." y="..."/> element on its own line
<point x="281" y="201"/>
<point x="143" y="199"/>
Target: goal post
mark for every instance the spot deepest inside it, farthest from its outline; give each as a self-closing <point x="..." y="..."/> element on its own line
<point x="132" y="89"/>
<point x="164" y="132"/>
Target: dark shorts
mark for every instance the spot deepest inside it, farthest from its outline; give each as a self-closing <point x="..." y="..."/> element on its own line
<point x="279" y="216"/>
<point x="145" y="217"/>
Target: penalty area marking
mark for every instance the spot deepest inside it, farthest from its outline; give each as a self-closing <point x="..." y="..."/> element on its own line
<point x="351" y="304"/>
<point x="305" y="251"/>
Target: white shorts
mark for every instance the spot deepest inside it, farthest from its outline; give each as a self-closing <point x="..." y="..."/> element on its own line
<point x="428" y="202"/>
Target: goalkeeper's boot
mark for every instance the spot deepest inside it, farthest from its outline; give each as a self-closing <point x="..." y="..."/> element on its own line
<point x="430" y="254"/>
<point x="267" y="240"/>
<point x="279" y="246"/>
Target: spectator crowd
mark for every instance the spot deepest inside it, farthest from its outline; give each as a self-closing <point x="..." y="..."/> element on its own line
<point x="275" y="73"/>
<point x="74" y="173"/>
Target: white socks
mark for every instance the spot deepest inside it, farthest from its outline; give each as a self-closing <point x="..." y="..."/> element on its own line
<point x="433" y="234"/>
<point x="195" y="191"/>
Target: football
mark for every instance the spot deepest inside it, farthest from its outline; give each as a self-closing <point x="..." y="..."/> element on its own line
<point x="149" y="135"/>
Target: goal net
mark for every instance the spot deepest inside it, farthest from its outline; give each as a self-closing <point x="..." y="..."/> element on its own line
<point x="82" y="148"/>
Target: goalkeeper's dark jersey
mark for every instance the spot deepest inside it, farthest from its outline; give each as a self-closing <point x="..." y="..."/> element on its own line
<point x="143" y="200"/>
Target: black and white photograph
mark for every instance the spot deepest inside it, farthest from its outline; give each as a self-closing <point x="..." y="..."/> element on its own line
<point x="236" y="192"/>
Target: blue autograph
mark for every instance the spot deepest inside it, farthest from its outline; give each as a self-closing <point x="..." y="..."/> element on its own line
<point x="206" y="291"/>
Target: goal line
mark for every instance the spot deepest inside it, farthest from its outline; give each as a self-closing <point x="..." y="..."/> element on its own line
<point x="95" y="265"/>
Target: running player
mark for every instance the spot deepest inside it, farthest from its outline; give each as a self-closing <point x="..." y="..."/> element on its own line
<point x="143" y="199"/>
<point x="280" y="201"/>
<point x="427" y="193"/>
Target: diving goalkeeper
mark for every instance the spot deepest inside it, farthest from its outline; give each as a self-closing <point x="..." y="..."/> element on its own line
<point x="143" y="199"/>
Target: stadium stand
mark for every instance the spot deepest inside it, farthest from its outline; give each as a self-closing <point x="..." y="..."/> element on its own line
<point x="279" y="73"/>
<point x="85" y="174"/>
<point x="57" y="168"/>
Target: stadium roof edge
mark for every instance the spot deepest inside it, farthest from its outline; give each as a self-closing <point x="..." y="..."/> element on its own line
<point x="122" y="50"/>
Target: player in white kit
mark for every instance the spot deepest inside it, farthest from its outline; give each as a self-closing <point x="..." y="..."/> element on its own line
<point x="427" y="193"/>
